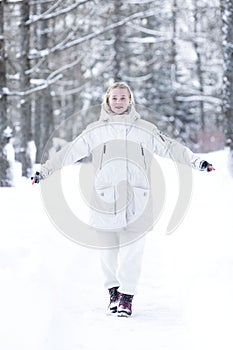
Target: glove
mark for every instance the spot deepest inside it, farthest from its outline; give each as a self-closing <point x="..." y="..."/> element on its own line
<point x="36" y="178"/>
<point x="205" y="166"/>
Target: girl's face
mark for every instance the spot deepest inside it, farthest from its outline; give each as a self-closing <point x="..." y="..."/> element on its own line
<point x="119" y="100"/>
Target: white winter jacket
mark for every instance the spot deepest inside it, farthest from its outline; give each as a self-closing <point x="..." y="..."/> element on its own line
<point x="122" y="148"/>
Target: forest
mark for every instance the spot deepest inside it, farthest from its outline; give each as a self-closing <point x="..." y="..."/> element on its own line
<point x="57" y="58"/>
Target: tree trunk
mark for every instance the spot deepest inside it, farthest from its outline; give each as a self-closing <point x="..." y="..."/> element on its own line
<point x="25" y="103"/>
<point x="228" y="72"/>
<point x="174" y="68"/>
<point x="3" y="99"/>
<point x="4" y="163"/>
<point x="117" y="43"/>
<point x="44" y="112"/>
<point x="199" y="65"/>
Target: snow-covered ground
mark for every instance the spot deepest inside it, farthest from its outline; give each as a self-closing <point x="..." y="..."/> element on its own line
<point x="51" y="293"/>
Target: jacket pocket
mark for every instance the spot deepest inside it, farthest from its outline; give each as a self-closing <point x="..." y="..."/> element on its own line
<point x="140" y="200"/>
<point x="107" y="199"/>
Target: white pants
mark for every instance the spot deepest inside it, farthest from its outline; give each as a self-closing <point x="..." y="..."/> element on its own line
<point x="122" y="265"/>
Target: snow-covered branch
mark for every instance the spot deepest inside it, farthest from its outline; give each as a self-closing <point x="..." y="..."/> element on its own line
<point x="198" y="98"/>
<point x="52" y="78"/>
<point x="145" y="30"/>
<point x="49" y="14"/>
<point x="35" y="67"/>
<point x="13" y="1"/>
<point x="65" y="45"/>
<point x="139" y="2"/>
<point x="141" y="14"/>
<point x="35" y="2"/>
<point x="138" y="79"/>
<point x="73" y="91"/>
<point x="66" y="67"/>
<point x="148" y="39"/>
<point x="44" y="85"/>
<point x="36" y="18"/>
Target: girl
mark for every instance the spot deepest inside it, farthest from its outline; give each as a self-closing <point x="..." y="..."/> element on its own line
<point x="122" y="147"/>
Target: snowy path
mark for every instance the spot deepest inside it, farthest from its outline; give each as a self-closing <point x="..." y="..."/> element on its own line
<point x="51" y="294"/>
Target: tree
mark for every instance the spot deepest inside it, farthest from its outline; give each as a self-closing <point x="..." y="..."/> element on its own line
<point x="117" y="59"/>
<point x="44" y="111"/>
<point x="169" y="52"/>
<point x="4" y="162"/>
<point x="227" y="18"/>
<point x="3" y="96"/>
<point x="199" y="67"/>
<point x="25" y="102"/>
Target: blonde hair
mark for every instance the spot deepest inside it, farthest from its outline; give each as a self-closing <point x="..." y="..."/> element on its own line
<point x="119" y="85"/>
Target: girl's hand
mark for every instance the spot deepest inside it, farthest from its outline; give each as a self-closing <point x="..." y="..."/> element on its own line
<point x="36" y="178"/>
<point x="205" y="166"/>
<point x="210" y="167"/>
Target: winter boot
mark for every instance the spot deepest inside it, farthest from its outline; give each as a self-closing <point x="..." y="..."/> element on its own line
<point x="114" y="299"/>
<point x="125" y="305"/>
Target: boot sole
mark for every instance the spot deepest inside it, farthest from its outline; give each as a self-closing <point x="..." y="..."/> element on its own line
<point x="123" y="314"/>
<point x="112" y="311"/>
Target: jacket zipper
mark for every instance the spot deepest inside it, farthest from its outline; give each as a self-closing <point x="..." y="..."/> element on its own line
<point x="102" y="155"/>
<point x="143" y="154"/>
<point x="161" y="136"/>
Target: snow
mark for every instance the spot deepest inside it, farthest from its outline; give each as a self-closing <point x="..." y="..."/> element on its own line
<point x="31" y="151"/>
<point x="9" y="152"/>
<point x="52" y="298"/>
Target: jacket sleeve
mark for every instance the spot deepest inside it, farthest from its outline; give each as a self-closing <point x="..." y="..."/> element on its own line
<point x="165" y="146"/>
<point x="69" y="154"/>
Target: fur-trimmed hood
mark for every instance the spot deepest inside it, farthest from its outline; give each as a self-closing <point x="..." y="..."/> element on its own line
<point x="129" y="116"/>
